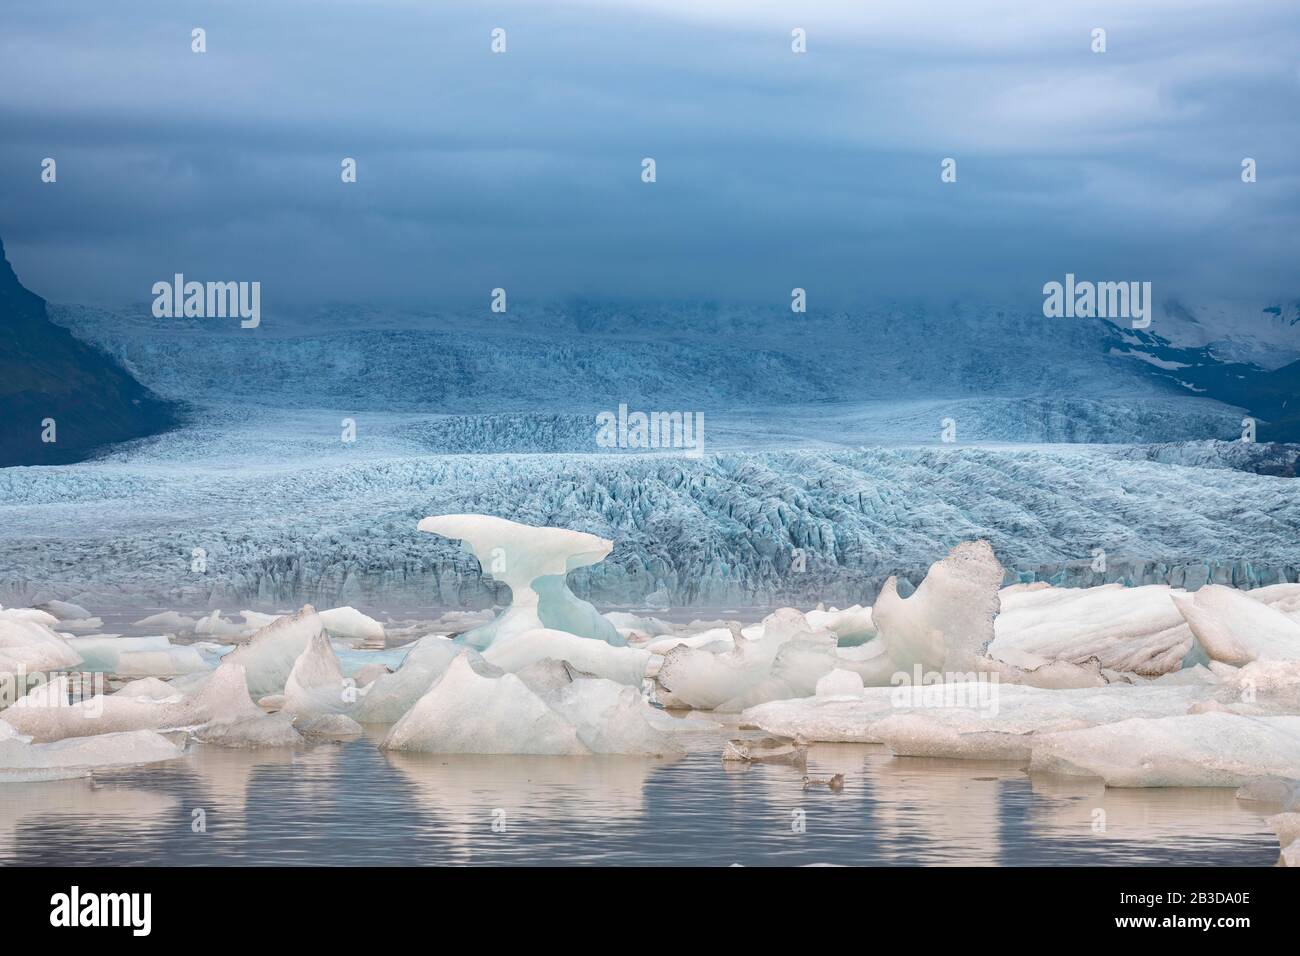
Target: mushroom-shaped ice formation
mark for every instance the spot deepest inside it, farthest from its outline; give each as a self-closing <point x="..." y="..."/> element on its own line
<point x="533" y="562"/>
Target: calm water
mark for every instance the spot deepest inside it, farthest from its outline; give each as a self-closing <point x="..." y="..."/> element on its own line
<point x="353" y="804"/>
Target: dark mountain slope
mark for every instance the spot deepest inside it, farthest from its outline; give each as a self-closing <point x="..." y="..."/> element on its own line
<point x="46" y="373"/>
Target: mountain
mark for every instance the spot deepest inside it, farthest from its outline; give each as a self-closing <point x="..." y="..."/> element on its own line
<point x="47" y="374"/>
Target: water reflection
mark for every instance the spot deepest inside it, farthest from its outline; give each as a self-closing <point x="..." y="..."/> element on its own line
<point x="353" y="804"/>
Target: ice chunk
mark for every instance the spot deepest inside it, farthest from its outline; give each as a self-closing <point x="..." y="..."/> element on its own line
<point x="468" y="712"/>
<point x="46" y="714"/>
<point x="947" y="624"/>
<point x="1137" y="630"/>
<point x="22" y="760"/>
<point x="217" y="626"/>
<point x="610" y="718"/>
<point x="269" y="655"/>
<point x="137" y="656"/>
<point x="329" y="727"/>
<point x="513" y="652"/>
<point x="1275" y="791"/>
<point x="851" y="626"/>
<point x="316" y="686"/>
<point x="1287" y="828"/>
<point x="28" y="646"/>
<point x="628" y="624"/>
<point x="252" y="732"/>
<point x="392" y="695"/>
<point x="1232" y="628"/>
<point x="964" y="719"/>
<point x="533" y="562"/>
<point x="66" y="611"/>
<point x="168" y="619"/>
<point x="1200" y="750"/>
<point x="351" y="624"/>
<point x="840" y="683"/>
<point x="150" y="688"/>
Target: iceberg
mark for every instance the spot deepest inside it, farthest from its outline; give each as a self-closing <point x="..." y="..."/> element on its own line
<point x="390" y="696"/>
<point x="965" y="720"/>
<point x="22" y="760"/>
<point x="271" y="652"/>
<point x="1217" y="749"/>
<point x="947" y="624"/>
<point x="1137" y="630"/>
<point x="29" y="646"/>
<point x="138" y="656"/>
<point x="45" y="714"/>
<point x="533" y="562"/>
<point x="514" y="652"/>
<point x="252" y="732"/>
<point x="316" y="687"/>
<point x="1234" y="629"/>
<point x="350" y="624"/>
<point x="477" y="708"/>
<point x="473" y="712"/>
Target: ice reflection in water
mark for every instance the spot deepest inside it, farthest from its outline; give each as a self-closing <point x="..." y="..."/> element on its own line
<point x="352" y="804"/>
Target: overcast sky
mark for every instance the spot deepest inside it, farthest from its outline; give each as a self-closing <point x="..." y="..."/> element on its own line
<point x="775" y="170"/>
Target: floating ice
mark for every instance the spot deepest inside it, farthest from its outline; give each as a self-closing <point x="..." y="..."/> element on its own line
<point x="252" y="732"/>
<point x="168" y="619"/>
<point x="470" y="712"/>
<point x="840" y="683"/>
<point x="392" y="695"/>
<point x="476" y="708"/>
<point x="28" y="646"/>
<point x="66" y="611"/>
<point x="137" y="656"/>
<point x="269" y="655"/>
<point x="46" y="714"/>
<point x="1200" y="750"/>
<point x="1138" y="630"/>
<point x="22" y="760"/>
<point x="513" y="652"/>
<point x="217" y="626"/>
<point x="1287" y="828"/>
<point x="329" y="727"/>
<point x="966" y="719"/>
<point x="947" y="624"/>
<point x="533" y="562"/>
<point x="315" y="686"/>
<point x="1232" y="628"/>
<point x="853" y="625"/>
<point x="350" y="624"/>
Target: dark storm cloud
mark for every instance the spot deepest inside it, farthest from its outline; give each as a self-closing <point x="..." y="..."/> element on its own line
<point x="775" y="170"/>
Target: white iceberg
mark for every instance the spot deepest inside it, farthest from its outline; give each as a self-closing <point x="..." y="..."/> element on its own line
<point x="316" y="686"/>
<point x="350" y="624"/>
<point x="466" y="712"/>
<point x="947" y="624"/>
<point x="840" y="683"/>
<point x="22" y="760"/>
<point x="46" y="713"/>
<point x="513" y="652"/>
<point x="29" y="646"/>
<point x="270" y="653"/>
<point x="1216" y="749"/>
<point x="392" y="695"/>
<point x="1234" y="629"/>
<point x="138" y="656"/>
<point x="1137" y="630"/>
<point x="533" y="562"/>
